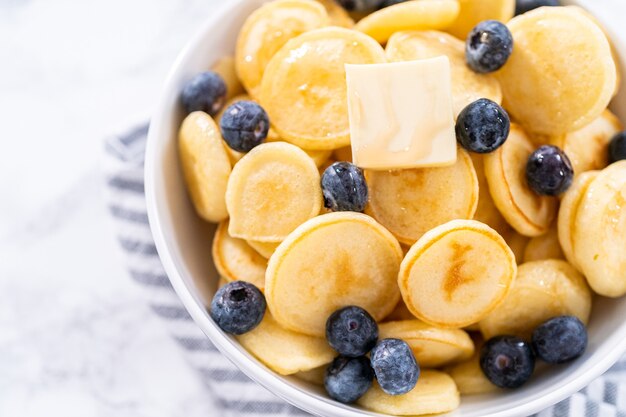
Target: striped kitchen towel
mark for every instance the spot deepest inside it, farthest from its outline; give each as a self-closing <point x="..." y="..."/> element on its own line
<point x="232" y="393"/>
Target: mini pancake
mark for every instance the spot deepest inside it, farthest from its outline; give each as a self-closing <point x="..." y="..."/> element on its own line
<point x="587" y="148"/>
<point x="225" y="67"/>
<point x="337" y="14"/>
<point x="554" y="87"/>
<point x="542" y="290"/>
<point x="205" y="165"/>
<point x="332" y="261"/>
<point x="319" y="157"/>
<point x="265" y="249"/>
<point x="307" y="77"/>
<point x="444" y="279"/>
<point x="314" y="376"/>
<point x="469" y="378"/>
<point x="235" y="260"/>
<point x="271" y="191"/>
<point x="546" y="246"/>
<point x="467" y="85"/>
<point x="516" y="242"/>
<point x="343" y="154"/>
<point x="486" y="211"/>
<point x="505" y="168"/>
<point x="410" y="15"/>
<point x="568" y="211"/>
<point x="599" y="232"/>
<point x="284" y="351"/>
<point x="401" y="312"/>
<point x="266" y="30"/>
<point x="432" y="346"/>
<point x="410" y="202"/>
<point x="435" y="392"/>
<point x="475" y="11"/>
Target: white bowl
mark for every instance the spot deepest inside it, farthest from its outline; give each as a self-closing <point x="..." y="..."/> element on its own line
<point x="184" y="242"/>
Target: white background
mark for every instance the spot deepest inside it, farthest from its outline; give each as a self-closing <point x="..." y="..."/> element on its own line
<point x="76" y="338"/>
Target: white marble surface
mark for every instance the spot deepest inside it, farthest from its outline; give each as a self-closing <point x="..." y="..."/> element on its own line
<point x="76" y="338"/>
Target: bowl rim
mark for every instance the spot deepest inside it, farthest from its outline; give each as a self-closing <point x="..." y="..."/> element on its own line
<point x="225" y="344"/>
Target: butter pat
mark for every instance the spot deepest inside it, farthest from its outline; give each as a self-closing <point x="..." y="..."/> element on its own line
<point x="401" y="114"/>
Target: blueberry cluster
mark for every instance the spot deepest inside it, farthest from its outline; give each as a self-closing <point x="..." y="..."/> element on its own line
<point x="509" y="362"/>
<point x="352" y="332"/>
<point x="243" y="125"/>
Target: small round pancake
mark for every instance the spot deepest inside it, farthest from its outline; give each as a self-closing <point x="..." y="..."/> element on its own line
<point x="505" y="168"/>
<point x="546" y="246"/>
<point x="284" y="351"/>
<point x="271" y="191"/>
<point x="337" y="14"/>
<point x="266" y="30"/>
<point x="235" y="260"/>
<point x="444" y="279"/>
<point x="314" y="376"/>
<point x="432" y="346"/>
<point x="343" y="154"/>
<point x="225" y="67"/>
<point x="469" y="378"/>
<point x="401" y="312"/>
<point x="567" y="214"/>
<point x="467" y="85"/>
<point x="435" y="392"/>
<point x="410" y="15"/>
<point x="561" y="74"/>
<point x="475" y="11"/>
<point x="265" y="249"/>
<point x="599" y="234"/>
<point x="205" y="165"/>
<point x="410" y="202"/>
<point x="516" y="242"/>
<point x="304" y="88"/>
<point x="542" y="290"/>
<point x="332" y="261"/>
<point x="486" y="211"/>
<point x="568" y="211"/>
<point x="587" y="148"/>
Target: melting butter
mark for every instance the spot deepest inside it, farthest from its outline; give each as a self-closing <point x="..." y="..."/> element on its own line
<point x="401" y="114"/>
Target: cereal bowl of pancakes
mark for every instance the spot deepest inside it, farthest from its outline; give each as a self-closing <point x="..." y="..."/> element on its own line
<point x="483" y="277"/>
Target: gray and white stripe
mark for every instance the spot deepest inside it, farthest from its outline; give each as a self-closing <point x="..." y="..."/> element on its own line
<point x="233" y="393"/>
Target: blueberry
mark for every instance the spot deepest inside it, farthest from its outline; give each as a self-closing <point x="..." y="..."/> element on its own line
<point x="560" y="339"/>
<point x="347" y="379"/>
<point x="507" y="361"/>
<point x="549" y="171"/>
<point x="344" y="187"/>
<point x="523" y="6"/>
<point x="244" y="125"/>
<point x="483" y="126"/>
<point x="238" y="307"/>
<point x="395" y="366"/>
<point x="617" y="147"/>
<point x="359" y="5"/>
<point x="488" y="46"/>
<point x="205" y="92"/>
<point x="388" y="3"/>
<point x="351" y="331"/>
